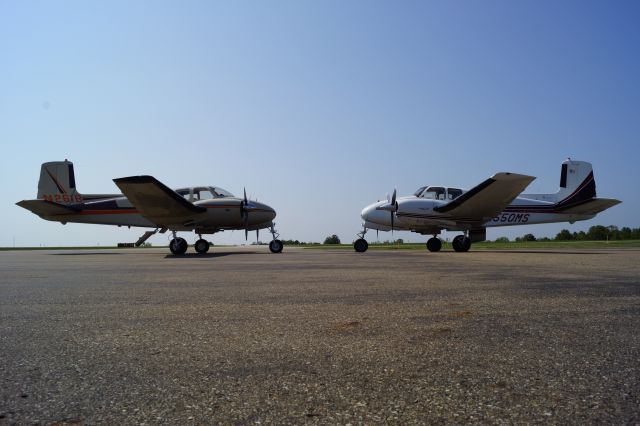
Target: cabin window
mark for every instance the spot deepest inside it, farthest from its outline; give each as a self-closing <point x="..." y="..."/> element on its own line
<point x="435" y="193"/>
<point x="453" y="193"/>
<point x="203" y="194"/>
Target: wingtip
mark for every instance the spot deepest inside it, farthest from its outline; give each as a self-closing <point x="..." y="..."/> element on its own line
<point x="512" y="176"/>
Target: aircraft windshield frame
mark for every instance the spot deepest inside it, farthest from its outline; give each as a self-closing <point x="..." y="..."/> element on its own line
<point x="419" y="191"/>
<point x="221" y="192"/>
<point x="210" y="192"/>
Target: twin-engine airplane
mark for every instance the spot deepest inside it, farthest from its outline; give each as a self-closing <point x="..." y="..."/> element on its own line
<point x="146" y="202"/>
<point x="495" y="202"/>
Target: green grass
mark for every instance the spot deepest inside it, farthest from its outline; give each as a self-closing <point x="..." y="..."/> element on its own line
<point x="488" y="245"/>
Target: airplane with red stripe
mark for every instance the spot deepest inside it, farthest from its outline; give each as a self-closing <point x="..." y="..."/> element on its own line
<point x="148" y="203"/>
<point x="498" y="201"/>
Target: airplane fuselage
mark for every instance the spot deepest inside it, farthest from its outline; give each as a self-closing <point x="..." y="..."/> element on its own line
<point x="221" y="213"/>
<point x="421" y="215"/>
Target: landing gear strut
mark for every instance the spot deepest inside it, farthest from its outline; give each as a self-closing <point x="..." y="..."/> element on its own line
<point x="361" y="245"/>
<point x="178" y="245"/>
<point x="434" y="244"/>
<point x="461" y="243"/>
<point x="275" y="245"/>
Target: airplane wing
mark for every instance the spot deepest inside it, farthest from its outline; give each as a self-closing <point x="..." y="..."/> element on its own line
<point x="157" y="202"/>
<point x="487" y="199"/>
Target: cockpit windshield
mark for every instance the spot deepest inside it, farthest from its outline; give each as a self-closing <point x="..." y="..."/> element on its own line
<point x="438" y="193"/>
<point x="222" y="192"/>
<point x="203" y="193"/>
<point x="419" y="191"/>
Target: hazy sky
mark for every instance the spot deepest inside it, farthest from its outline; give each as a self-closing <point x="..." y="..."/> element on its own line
<point x="318" y="108"/>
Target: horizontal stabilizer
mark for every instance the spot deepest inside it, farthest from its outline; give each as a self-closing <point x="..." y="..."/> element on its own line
<point x="157" y="202"/>
<point x="47" y="208"/>
<point x="487" y="199"/>
<point x="593" y="206"/>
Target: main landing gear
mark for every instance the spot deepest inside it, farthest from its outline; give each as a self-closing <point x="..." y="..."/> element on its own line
<point x="202" y="246"/>
<point x="461" y="243"/>
<point x="179" y="246"/>
<point x="434" y="244"/>
<point x="275" y="245"/>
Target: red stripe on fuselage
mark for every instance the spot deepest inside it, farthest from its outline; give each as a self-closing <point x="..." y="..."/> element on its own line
<point x="99" y="212"/>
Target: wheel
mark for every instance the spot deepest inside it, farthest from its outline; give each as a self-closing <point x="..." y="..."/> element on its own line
<point x="461" y="243"/>
<point x="434" y="244"/>
<point x="178" y="246"/>
<point x="202" y="246"/>
<point x="361" y="245"/>
<point x="276" y="246"/>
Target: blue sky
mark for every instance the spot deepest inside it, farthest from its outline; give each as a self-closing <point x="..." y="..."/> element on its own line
<point x="317" y="108"/>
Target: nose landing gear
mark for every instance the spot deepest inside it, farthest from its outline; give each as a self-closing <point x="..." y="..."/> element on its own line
<point x="275" y="245"/>
<point x="361" y="245"/>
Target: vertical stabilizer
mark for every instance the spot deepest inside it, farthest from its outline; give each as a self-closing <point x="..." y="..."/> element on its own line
<point x="576" y="184"/>
<point x="58" y="183"/>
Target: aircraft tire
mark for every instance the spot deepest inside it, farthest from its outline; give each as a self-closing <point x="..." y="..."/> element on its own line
<point x="178" y="246"/>
<point x="361" y="245"/>
<point x="461" y="243"/>
<point x="202" y="246"/>
<point x="434" y="244"/>
<point x="276" y="246"/>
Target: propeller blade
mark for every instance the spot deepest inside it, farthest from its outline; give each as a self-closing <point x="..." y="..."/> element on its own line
<point x="392" y="214"/>
<point x="246" y="225"/>
<point x="393" y="197"/>
<point x="245" y="195"/>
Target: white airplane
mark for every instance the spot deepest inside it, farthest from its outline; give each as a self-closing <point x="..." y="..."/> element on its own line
<point x="495" y="202"/>
<point x="149" y="203"/>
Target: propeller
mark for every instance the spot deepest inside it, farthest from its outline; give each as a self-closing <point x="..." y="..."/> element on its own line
<point x="391" y="206"/>
<point x="246" y="206"/>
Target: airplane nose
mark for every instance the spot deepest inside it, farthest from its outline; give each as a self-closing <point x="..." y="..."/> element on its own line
<point x="373" y="215"/>
<point x="266" y="212"/>
<point x="367" y="211"/>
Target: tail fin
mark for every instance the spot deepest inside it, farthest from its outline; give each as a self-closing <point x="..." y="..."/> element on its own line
<point x="58" y="183"/>
<point x="576" y="184"/>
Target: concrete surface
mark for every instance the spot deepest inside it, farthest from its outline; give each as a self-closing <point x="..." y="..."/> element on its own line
<point x="311" y="336"/>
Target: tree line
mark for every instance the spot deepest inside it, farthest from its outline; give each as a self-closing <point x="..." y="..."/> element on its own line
<point x="595" y="233"/>
<point x="600" y="233"/>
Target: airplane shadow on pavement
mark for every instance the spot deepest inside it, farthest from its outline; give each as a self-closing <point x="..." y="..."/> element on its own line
<point x="206" y="255"/>
<point x="541" y="252"/>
